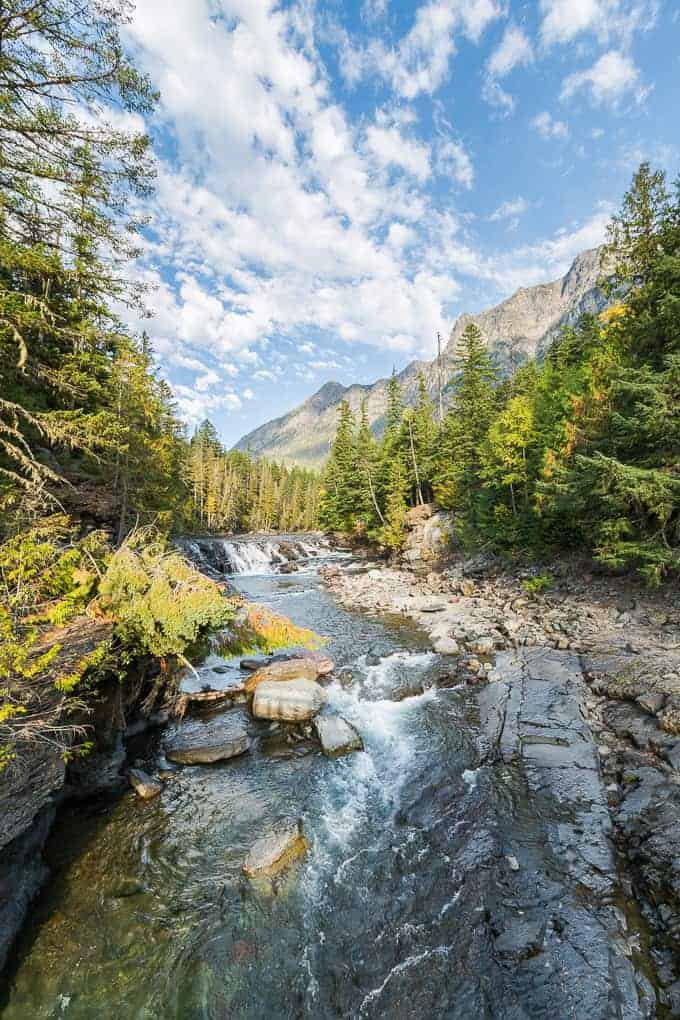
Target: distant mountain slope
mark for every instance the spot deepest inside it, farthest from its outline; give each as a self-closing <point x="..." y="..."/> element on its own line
<point x="519" y="328"/>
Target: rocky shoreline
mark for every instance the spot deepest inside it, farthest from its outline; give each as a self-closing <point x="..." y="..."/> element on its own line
<point x="613" y="643"/>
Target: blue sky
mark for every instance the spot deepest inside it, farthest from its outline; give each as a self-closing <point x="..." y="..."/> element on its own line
<point x="339" y="180"/>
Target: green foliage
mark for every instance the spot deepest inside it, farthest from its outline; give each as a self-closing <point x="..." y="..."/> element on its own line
<point x="580" y="451"/>
<point x="229" y="491"/>
<point x="537" y="585"/>
<point x="256" y="628"/>
<point x="160" y="603"/>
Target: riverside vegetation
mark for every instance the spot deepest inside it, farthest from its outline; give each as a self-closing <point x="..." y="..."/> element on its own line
<point x="578" y="452"/>
<point x="96" y="470"/>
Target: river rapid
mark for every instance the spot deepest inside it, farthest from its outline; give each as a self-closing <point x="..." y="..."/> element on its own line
<point x="432" y="887"/>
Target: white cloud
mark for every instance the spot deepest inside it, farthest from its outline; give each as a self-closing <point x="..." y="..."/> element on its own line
<point x="610" y="78"/>
<point x="565" y="20"/>
<point x="399" y="235"/>
<point x="454" y="161"/>
<point x="392" y="148"/>
<point x="373" y="10"/>
<point x="514" y="50"/>
<point x="419" y="62"/>
<point x="548" y="127"/>
<point x="495" y="95"/>
<point x="510" y="209"/>
<point x="248" y="394"/>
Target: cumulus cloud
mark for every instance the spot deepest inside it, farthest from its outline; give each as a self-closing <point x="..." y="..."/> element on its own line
<point x="513" y="51"/>
<point x="455" y="162"/>
<point x="391" y="148"/>
<point x="565" y="20"/>
<point x="548" y="127"/>
<point x="613" y="76"/>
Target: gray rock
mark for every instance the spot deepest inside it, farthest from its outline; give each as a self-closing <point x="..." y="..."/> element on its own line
<point x="337" y="736"/>
<point x="197" y="742"/>
<point x="143" y="785"/>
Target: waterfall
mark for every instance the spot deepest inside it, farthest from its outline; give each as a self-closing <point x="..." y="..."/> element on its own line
<point x="255" y="554"/>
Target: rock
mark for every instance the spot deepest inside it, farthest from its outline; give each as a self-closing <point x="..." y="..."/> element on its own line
<point x="522" y="940"/>
<point x="273" y="852"/>
<point x="513" y="863"/>
<point x="254" y="662"/>
<point x="309" y="668"/>
<point x="337" y="736"/>
<point x="418" y="514"/>
<point x="196" y="742"/>
<point x="467" y="587"/>
<point x="446" y="646"/>
<point x="483" y="646"/>
<point x="288" y="700"/>
<point x="428" y="604"/>
<point x="143" y="785"/>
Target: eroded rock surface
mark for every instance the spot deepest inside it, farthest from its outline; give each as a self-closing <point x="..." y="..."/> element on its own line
<point x="196" y="742"/>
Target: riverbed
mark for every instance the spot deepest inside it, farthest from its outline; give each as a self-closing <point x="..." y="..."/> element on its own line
<point x="434" y="885"/>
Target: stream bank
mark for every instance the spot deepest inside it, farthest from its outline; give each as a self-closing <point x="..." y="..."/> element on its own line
<point x="623" y="643"/>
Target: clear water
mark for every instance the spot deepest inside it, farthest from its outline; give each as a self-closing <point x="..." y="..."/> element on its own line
<point x="390" y="914"/>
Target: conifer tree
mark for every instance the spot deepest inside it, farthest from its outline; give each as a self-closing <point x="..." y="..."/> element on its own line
<point x="466" y="424"/>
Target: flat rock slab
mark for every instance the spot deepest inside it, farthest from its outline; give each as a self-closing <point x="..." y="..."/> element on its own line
<point x="426" y="604"/>
<point x="197" y="743"/>
<point x="143" y="785"/>
<point x="337" y="736"/>
<point x="276" y="850"/>
<point x="309" y="668"/>
<point x="288" y="700"/>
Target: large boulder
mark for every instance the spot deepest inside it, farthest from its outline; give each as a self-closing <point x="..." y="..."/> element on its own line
<point x="196" y="743"/>
<point x="273" y="852"/>
<point x="311" y="667"/>
<point x="430" y="538"/>
<point x="337" y="736"/>
<point x="288" y="700"/>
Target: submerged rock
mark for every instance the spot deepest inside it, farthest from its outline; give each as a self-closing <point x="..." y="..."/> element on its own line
<point x="288" y="700"/>
<point x="143" y="785"/>
<point x="196" y="742"/>
<point x="337" y="736"/>
<point x="274" y="851"/>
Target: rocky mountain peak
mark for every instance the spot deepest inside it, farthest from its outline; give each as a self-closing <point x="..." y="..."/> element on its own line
<point x="521" y="327"/>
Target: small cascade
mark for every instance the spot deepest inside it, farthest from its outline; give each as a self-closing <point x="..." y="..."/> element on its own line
<point x="251" y="555"/>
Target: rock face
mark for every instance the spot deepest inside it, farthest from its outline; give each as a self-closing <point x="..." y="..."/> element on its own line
<point x="196" y="742"/>
<point x="275" y="851"/>
<point x="337" y="736"/>
<point x="533" y="726"/>
<point x="288" y="700"/>
<point x="519" y="328"/>
<point x="430" y="539"/>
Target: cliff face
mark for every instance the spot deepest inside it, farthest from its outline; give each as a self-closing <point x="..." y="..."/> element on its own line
<point x="519" y="328"/>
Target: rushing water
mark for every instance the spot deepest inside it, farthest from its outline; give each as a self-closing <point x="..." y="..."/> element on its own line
<point x="390" y="914"/>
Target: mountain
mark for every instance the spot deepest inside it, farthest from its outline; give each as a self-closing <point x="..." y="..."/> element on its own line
<point x="517" y="329"/>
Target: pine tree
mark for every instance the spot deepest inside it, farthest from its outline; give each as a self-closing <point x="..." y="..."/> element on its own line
<point x="392" y="532"/>
<point x="368" y="508"/>
<point x="466" y="425"/>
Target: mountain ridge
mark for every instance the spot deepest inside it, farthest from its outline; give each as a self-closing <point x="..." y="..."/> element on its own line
<point x="519" y="328"/>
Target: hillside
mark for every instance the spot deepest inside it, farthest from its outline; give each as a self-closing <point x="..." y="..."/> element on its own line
<point x="516" y="329"/>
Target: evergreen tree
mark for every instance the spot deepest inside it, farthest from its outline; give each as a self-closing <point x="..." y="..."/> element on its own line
<point x="392" y="532"/>
<point x="466" y="425"/>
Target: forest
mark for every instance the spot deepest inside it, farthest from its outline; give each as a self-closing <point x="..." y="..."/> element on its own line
<point x="578" y="452"/>
<point x="96" y="468"/>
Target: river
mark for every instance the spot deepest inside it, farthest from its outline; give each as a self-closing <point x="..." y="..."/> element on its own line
<point x="431" y="888"/>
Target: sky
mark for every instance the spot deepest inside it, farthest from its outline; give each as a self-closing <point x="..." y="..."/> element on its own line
<point x="339" y="179"/>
